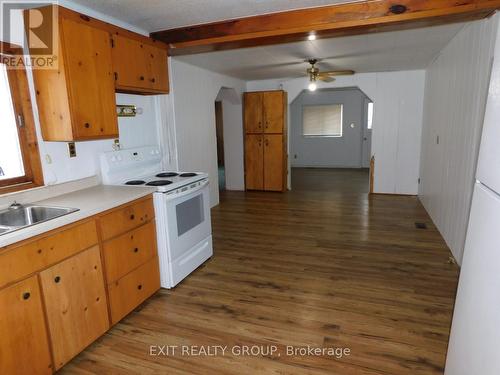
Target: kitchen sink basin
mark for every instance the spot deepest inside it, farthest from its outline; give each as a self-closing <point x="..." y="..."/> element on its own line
<point x="22" y="216"/>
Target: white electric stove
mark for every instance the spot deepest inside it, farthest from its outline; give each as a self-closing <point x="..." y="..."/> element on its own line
<point x="182" y="208"/>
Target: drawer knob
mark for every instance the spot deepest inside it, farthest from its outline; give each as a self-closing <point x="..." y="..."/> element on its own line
<point x="26" y="295"/>
<point x="132" y="217"/>
<point x="87" y="125"/>
<point x="57" y="279"/>
<point x="141" y="78"/>
<point x="153" y="80"/>
<point x="136" y="249"/>
<point x="139" y="286"/>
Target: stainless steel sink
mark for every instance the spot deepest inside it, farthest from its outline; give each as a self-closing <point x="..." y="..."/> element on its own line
<point x="22" y="216"/>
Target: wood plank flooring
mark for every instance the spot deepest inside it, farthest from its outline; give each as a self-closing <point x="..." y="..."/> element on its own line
<point x="303" y="268"/>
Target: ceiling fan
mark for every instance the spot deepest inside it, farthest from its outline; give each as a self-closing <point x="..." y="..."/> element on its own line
<point x="314" y="74"/>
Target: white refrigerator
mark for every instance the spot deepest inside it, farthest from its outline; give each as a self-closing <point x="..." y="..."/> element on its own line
<point x="474" y="347"/>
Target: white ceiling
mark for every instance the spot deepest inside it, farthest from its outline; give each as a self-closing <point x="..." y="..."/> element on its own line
<point x="390" y="51"/>
<point x="154" y="15"/>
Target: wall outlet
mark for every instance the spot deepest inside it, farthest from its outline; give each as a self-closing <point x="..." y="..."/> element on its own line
<point x="72" y="149"/>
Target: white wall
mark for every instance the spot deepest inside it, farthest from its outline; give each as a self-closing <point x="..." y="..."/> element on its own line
<point x="194" y="91"/>
<point x="396" y="135"/>
<point x="455" y="94"/>
<point x="329" y="152"/>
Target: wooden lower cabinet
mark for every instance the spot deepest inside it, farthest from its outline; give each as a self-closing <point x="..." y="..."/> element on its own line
<point x="75" y="300"/>
<point x="274" y="177"/>
<point x="254" y="162"/>
<point x="24" y="345"/>
<point x="128" y="292"/>
<point x="53" y="296"/>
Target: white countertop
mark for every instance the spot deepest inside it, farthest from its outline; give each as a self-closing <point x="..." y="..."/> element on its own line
<point x="90" y="201"/>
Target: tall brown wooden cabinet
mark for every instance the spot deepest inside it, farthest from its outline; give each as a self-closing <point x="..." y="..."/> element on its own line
<point x="265" y="117"/>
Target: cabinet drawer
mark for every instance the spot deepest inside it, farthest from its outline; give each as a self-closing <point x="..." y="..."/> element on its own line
<point x="131" y="290"/>
<point x="23" y="260"/>
<point x="126" y="218"/>
<point x="128" y="251"/>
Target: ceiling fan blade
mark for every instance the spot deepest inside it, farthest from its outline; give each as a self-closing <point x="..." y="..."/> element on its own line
<point x="326" y="78"/>
<point x="337" y="73"/>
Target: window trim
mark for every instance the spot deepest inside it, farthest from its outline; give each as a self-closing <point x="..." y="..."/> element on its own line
<point x="33" y="176"/>
<point x="324" y="135"/>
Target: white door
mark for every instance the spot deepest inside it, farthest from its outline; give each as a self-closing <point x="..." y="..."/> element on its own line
<point x="475" y="334"/>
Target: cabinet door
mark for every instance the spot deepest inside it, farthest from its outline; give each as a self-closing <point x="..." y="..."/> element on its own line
<point x="129" y="63"/>
<point x="24" y="346"/>
<point x="75" y="302"/>
<point x="253" y="112"/>
<point x="254" y="162"/>
<point x="157" y="68"/>
<point x="273" y="162"/>
<point x="273" y="112"/>
<point x="87" y="53"/>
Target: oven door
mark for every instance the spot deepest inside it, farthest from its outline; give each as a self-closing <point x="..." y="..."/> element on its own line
<point x="188" y="219"/>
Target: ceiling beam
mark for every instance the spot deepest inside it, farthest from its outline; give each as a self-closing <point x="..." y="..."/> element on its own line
<point x="325" y="22"/>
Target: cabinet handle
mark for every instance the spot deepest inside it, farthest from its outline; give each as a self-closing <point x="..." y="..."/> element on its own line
<point x="57" y="279"/>
<point x="267" y="124"/>
<point x="139" y="286"/>
<point x="136" y="249"/>
<point x="26" y="295"/>
<point x="132" y="217"/>
<point x="267" y="142"/>
<point x="87" y="125"/>
<point x="153" y="80"/>
<point x="141" y="78"/>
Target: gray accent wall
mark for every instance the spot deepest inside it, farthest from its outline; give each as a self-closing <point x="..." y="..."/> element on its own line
<point x="330" y="152"/>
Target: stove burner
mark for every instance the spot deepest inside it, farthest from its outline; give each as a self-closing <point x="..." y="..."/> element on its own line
<point x="135" y="182"/>
<point x="167" y="174"/>
<point x="189" y="174"/>
<point x="159" y="183"/>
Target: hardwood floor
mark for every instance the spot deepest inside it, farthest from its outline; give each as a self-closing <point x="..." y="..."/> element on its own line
<point x="338" y="180"/>
<point x="303" y="268"/>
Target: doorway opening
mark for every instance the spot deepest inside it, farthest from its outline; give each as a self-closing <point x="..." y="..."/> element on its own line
<point x="219" y="131"/>
<point x="330" y="140"/>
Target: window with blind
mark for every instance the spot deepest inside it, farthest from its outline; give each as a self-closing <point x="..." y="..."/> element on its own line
<point x="322" y="120"/>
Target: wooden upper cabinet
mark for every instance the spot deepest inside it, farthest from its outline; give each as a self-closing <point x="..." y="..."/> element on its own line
<point x="273" y="107"/>
<point x="75" y="301"/>
<point x="157" y="61"/>
<point x="139" y="66"/>
<point x="253" y="112"/>
<point x="76" y="102"/>
<point x="24" y="345"/>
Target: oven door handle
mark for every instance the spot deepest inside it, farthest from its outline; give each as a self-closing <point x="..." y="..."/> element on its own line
<point x="187" y="192"/>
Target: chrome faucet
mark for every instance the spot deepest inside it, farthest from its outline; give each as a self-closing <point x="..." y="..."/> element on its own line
<point x="15" y="206"/>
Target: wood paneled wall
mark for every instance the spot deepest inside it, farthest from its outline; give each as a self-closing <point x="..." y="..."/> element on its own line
<point x="456" y="88"/>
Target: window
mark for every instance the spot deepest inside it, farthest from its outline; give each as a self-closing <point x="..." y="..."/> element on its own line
<point x="322" y="120"/>
<point x="20" y="166"/>
<point x="369" y="117"/>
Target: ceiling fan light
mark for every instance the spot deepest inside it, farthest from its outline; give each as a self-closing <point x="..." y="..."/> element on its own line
<point x="312" y="86"/>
